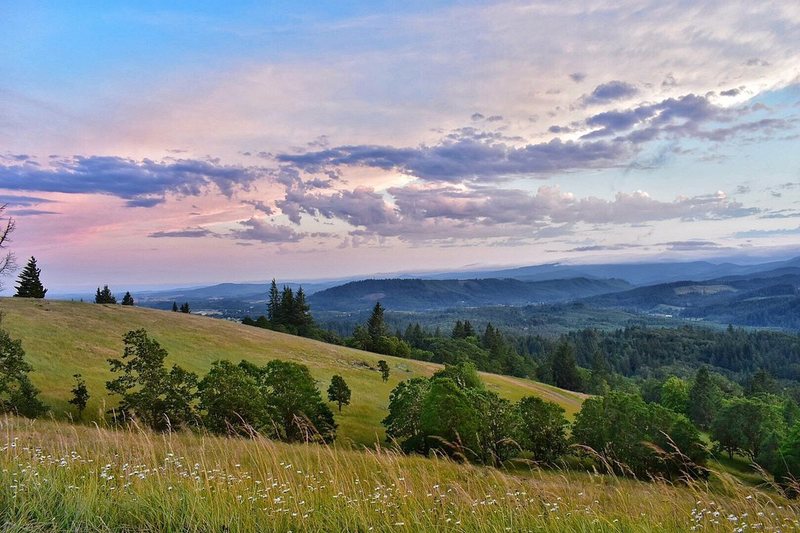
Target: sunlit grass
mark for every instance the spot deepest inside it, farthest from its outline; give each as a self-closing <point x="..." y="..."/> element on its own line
<point x="57" y="476"/>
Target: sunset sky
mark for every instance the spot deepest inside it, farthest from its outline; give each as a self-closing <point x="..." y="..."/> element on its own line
<point x="177" y="143"/>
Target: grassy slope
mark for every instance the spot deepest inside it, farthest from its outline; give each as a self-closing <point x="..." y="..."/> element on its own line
<point x="63" y="338"/>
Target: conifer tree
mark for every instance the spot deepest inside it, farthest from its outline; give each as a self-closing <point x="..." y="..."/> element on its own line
<point x="286" y="308"/>
<point x="301" y="317"/>
<point x="703" y="399"/>
<point x="469" y="331"/>
<point x="458" y="330"/>
<point x="376" y="327"/>
<point x="127" y="299"/>
<point x="274" y="303"/>
<point x="383" y="366"/>
<point x="174" y="307"/>
<point x="185" y="307"/>
<point x="104" y="296"/>
<point x="30" y="286"/>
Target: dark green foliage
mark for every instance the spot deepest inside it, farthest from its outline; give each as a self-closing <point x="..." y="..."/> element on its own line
<point x="128" y="299"/>
<point x="339" y="392"/>
<point x="232" y="400"/>
<point x="405" y="408"/>
<point x="300" y="414"/>
<point x="29" y="284"/>
<point x="376" y="326"/>
<point x="787" y="466"/>
<point x="703" y="399"/>
<point x="638" y="438"/>
<point x="541" y="429"/>
<point x="464" y="374"/>
<point x="17" y="393"/>
<point x="383" y="367"/>
<point x="498" y="420"/>
<point x="288" y="312"/>
<point x="80" y="395"/>
<point x="174" y="307"/>
<point x="104" y="296"/>
<point x="761" y="382"/>
<point x="185" y="308"/>
<point x="449" y="420"/>
<point x="160" y="398"/>
<point x="565" y="368"/>
<point x="274" y="304"/>
<point x="743" y="424"/>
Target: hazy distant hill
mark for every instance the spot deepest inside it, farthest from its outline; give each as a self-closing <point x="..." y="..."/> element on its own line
<point x="420" y="294"/>
<point x="764" y="299"/>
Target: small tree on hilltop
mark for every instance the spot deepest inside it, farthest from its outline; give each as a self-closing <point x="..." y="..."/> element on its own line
<point x="383" y="366"/>
<point x="185" y="307"/>
<point x="29" y="284"/>
<point x="104" y="296"/>
<point x="339" y="392"/>
<point x="128" y="299"/>
<point x="80" y="395"/>
<point x="174" y="307"/>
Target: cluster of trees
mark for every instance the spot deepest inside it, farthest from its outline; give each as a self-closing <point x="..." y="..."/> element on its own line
<point x="184" y="308"/>
<point x="488" y="351"/>
<point x="105" y="296"/>
<point x="758" y="421"/>
<point x="288" y="312"/>
<point x="279" y="400"/>
<point x="454" y="414"/>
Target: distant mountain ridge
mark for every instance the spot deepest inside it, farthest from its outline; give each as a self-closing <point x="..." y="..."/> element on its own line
<point x="421" y="294"/>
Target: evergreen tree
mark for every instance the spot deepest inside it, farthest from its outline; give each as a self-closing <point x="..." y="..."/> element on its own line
<point x="458" y="330"/>
<point x="565" y="368"/>
<point x="469" y="331"/>
<point x="104" y="296"/>
<point x="174" y="307"/>
<point x="80" y="395"/>
<point x="185" y="307"/>
<point x="703" y="399"/>
<point x="339" y="392"/>
<point x="376" y="327"/>
<point x="301" y="316"/>
<point x="274" y="303"/>
<point x="383" y="366"/>
<point x="286" y="308"/>
<point x="29" y="284"/>
<point x="127" y="299"/>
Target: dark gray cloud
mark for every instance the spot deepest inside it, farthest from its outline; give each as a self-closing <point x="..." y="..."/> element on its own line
<point x="464" y="159"/>
<point x="259" y="205"/>
<point x="731" y="92"/>
<point x="577" y="77"/>
<point x="183" y="233"/>
<point x="27" y="212"/>
<point x="142" y="183"/>
<point x="610" y="92"/>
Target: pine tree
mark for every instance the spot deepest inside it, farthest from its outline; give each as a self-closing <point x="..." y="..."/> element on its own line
<point x="301" y="316"/>
<point x="274" y="303"/>
<point x="339" y="392"/>
<point x="469" y="331"/>
<point x="376" y="327"/>
<point x="127" y="299"/>
<point x="80" y="394"/>
<point x="185" y="307"/>
<point x="174" y="307"/>
<point x="30" y="286"/>
<point x="286" y="307"/>
<point x="458" y="330"/>
<point x="104" y="296"/>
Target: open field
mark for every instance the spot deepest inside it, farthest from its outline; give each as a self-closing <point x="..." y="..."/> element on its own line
<point x="55" y="476"/>
<point x="64" y="338"/>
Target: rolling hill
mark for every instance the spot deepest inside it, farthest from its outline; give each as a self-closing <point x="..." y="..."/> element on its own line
<point x="763" y="299"/>
<point x="420" y="294"/>
<point x="64" y="338"/>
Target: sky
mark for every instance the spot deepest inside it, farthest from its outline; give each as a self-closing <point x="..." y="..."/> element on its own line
<point x="182" y="143"/>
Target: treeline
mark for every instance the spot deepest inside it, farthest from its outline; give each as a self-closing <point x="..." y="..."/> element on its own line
<point x="488" y="350"/>
<point x="289" y="312"/>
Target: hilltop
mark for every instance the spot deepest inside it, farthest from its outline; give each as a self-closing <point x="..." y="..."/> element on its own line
<point x="64" y="338"/>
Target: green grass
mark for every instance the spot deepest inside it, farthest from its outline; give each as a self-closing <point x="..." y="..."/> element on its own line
<point x="60" y="477"/>
<point x="64" y="338"/>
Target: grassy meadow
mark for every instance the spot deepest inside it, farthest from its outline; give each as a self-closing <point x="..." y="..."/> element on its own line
<point x="64" y="338"/>
<point x="56" y="476"/>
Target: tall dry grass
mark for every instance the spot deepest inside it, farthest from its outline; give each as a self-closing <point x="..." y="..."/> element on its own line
<point x="55" y="476"/>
